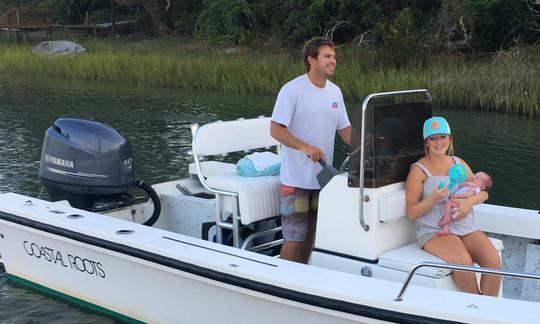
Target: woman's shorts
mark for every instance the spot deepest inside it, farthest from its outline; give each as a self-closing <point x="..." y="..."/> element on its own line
<point x="297" y="205"/>
<point x="422" y="240"/>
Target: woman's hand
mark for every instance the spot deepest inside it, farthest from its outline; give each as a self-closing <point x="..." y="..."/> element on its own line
<point x="466" y="205"/>
<point x="464" y="208"/>
<point x="441" y="193"/>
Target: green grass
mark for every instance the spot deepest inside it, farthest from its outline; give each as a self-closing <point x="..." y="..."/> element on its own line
<point x="504" y="82"/>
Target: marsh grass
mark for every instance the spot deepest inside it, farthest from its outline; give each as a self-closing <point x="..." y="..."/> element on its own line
<point x="504" y="82"/>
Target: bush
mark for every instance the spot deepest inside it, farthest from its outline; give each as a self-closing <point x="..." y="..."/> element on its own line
<point x="403" y="40"/>
<point x="226" y="22"/>
<point x="498" y="24"/>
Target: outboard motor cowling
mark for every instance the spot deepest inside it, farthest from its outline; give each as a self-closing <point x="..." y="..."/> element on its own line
<point x="82" y="161"/>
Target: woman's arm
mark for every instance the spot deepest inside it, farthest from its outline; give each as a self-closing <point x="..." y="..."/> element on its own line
<point x="466" y="205"/>
<point x="416" y="207"/>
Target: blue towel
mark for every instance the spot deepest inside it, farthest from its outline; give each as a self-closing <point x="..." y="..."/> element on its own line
<point x="246" y="168"/>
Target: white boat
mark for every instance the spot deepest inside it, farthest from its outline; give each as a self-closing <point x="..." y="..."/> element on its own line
<point x="58" y="48"/>
<point x="172" y="272"/>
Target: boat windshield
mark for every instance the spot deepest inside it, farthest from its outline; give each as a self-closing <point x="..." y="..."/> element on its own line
<point x="393" y="139"/>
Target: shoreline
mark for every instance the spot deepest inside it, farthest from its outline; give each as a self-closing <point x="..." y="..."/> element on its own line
<point x="504" y="82"/>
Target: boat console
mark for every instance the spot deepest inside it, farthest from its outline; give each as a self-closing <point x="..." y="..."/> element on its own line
<point x="367" y="204"/>
<point x="362" y="225"/>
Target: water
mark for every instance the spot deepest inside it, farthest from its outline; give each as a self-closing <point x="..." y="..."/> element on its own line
<point x="157" y="123"/>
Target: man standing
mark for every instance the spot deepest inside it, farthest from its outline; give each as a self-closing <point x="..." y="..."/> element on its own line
<point x="308" y="112"/>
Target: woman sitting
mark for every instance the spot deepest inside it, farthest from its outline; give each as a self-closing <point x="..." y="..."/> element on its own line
<point x="465" y="244"/>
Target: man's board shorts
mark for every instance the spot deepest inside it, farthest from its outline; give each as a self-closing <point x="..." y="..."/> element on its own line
<point x="296" y="206"/>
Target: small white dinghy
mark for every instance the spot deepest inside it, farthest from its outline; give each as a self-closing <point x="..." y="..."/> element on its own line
<point x="175" y="272"/>
<point x="58" y="48"/>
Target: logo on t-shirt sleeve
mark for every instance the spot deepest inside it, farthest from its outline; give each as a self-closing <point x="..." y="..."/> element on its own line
<point x="334" y="105"/>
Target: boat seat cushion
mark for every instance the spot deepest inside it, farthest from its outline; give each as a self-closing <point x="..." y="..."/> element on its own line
<point x="406" y="257"/>
<point x="213" y="168"/>
<point x="258" y="197"/>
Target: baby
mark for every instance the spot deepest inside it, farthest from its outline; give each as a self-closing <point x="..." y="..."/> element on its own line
<point x="480" y="181"/>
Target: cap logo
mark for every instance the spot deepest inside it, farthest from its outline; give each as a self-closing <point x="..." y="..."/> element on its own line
<point x="434" y="125"/>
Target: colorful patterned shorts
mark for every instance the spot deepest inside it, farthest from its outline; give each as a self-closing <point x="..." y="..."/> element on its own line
<point x="297" y="205"/>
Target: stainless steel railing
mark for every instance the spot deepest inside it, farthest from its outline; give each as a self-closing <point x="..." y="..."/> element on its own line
<point x="460" y="268"/>
<point x="263" y="246"/>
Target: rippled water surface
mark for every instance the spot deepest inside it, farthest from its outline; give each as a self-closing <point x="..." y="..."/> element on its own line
<point x="157" y="121"/>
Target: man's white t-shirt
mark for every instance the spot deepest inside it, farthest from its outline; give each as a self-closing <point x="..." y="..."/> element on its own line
<point x="313" y="115"/>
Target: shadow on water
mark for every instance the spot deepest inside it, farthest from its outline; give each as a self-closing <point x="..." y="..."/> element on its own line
<point x="157" y="122"/>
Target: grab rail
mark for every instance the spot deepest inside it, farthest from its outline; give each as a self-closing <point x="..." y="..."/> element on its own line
<point x="344" y="164"/>
<point x="461" y="268"/>
<point x="263" y="246"/>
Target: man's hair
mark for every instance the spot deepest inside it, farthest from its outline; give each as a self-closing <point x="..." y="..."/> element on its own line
<point x="312" y="46"/>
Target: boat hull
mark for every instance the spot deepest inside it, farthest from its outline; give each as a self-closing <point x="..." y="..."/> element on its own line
<point x="136" y="285"/>
<point x="141" y="273"/>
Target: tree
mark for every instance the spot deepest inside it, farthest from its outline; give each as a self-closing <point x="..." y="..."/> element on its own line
<point x="155" y="8"/>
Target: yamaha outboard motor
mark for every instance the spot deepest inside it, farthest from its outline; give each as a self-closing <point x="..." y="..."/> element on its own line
<point x="90" y="165"/>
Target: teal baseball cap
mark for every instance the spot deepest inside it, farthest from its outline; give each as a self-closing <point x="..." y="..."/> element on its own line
<point x="436" y="125"/>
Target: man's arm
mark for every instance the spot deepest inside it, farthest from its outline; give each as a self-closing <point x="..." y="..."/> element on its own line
<point x="345" y="134"/>
<point x="282" y="135"/>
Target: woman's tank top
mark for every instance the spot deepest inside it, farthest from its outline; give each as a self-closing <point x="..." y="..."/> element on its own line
<point x="427" y="223"/>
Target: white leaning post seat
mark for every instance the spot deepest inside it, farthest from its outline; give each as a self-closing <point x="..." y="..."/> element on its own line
<point x="247" y="199"/>
<point x="258" y="197"/>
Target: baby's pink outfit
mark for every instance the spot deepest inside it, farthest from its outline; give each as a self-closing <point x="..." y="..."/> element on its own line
<point x="465" y="190"/>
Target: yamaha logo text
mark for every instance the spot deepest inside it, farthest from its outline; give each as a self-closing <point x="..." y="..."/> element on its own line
<point x="58" y="161"/>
